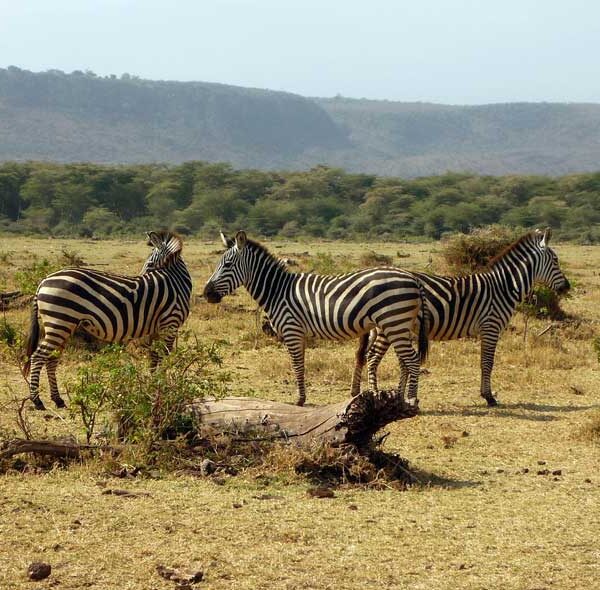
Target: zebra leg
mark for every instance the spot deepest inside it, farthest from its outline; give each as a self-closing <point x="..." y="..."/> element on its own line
<point x="51" y="364"/>
<point x="38" y="359"/>
<point x="296" y="346"/>
<point x="489" y="340"/>
<point x="409" y="366"/>
<point x="361" y="351"/>
<point x="374" y="356"/>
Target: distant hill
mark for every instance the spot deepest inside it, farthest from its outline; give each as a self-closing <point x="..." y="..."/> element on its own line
<point x="82" y="117"/>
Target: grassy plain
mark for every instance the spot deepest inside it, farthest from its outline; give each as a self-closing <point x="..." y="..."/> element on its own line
<point x="483" y="517"/>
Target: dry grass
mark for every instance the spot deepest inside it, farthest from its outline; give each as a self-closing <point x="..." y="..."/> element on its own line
<point x="482" y="516"/>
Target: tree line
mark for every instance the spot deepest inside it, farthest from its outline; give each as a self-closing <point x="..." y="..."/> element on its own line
<point x="199" y="198"/>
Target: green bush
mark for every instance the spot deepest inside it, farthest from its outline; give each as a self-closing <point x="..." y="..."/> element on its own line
<point x="140" y="405"/>
<point x="8" y="333"/>
<point x="543" y="302"/>
<point x="28" y="279"/>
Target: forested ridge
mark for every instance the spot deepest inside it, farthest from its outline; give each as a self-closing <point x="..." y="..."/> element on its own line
<point x="199" y="198"/>
<point x="80" y="116"/>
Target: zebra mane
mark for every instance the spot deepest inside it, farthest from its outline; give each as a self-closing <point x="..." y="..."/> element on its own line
<point x="254" y="245"/>
<point x="528" y="237"/>
<point x="173" y="245"/>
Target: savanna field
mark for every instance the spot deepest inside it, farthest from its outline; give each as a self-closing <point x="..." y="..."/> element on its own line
<point x="507" y="497"/>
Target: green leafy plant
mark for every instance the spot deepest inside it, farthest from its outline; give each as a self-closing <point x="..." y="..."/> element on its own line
<point x="144" y="405"/>
<point x="28" y="279"/>
<point x="8" y="333"/>
<point x="543" y="302"/>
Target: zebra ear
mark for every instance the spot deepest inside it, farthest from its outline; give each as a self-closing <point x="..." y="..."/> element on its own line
<point x="240" y="240"/>
<point x="546" y="237"/>
<point x="227" y="242"/>
<point x="154" y="239"/>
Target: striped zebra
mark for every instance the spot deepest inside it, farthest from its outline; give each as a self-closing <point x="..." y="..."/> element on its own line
<point x="110" y="307"/>
<point x="330" y="307"/>
<point x="479" y="304"/>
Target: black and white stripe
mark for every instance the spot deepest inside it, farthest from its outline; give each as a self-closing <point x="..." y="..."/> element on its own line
<point x="481" y="304"/>
<point x="330" y="307"/>
<point x="111" y="307"/>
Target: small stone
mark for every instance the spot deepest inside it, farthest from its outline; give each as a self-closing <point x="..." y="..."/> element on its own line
<point x="38" y="570"/>
<point x="352" y="507"/>
<point x="543" y="472"/>
<point x="557" y="472"/>
<point x="237" y="505"/>
<point x="541" y="462"/>
<point x="587" y="480"/>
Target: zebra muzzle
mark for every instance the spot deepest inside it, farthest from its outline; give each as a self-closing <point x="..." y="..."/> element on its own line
<point x="211" y="294"/>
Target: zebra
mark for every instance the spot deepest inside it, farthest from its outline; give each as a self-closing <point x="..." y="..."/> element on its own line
<point x="338" y="307"/>
<point x="481" y="303"/>
<point x="110" y="307"/>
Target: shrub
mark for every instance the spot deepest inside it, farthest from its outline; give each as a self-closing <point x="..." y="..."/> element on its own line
<point x="8" y="333"/>
<point x="146" y="405"/>
<point x="468" y="253"/>
<point x="543" y="302"/>
<point x="371" y="258"/>
<point x="28" y="279"/>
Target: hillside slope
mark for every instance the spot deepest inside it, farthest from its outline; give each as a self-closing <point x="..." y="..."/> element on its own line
<point x="420" y="138"/>
<point x="55" y="116"/>
<point x="78" y="116"/>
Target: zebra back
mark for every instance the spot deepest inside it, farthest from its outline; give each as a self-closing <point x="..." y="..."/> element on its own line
<point x="119" y="308"/>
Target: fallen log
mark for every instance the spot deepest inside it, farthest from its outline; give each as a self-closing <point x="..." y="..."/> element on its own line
<point x="352" y="421"/>
<point x="55" y="448"/>
<point x="14" y="300"/>
<point x="9" y="295"/>
<point x="66" y="449"/>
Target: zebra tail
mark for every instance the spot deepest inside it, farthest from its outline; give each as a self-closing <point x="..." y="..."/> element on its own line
<point x="34" y="337"/>
<point x="424" y="318"/>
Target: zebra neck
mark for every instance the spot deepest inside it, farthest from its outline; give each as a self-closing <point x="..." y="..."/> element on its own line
<point x="178" y="275"/>
<point x="267" y="280"/>
<point x="516" y="275"/>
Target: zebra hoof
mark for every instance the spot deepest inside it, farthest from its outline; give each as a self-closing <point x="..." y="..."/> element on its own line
<point x="59" y="402"/>
<point x="491" y="401"/>
<point x="39" y="404"/>
<point x="300" y="402"/>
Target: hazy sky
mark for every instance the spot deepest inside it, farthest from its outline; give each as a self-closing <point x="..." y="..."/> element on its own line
<point x="450" y="51"/>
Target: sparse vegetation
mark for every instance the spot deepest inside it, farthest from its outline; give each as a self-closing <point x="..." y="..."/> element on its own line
<point x="143" y="406"/>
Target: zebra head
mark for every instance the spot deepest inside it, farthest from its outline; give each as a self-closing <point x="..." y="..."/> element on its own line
<point x="231" y="271"/>
<point x="547" y="269"/>
<point x="166" y="247"/>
